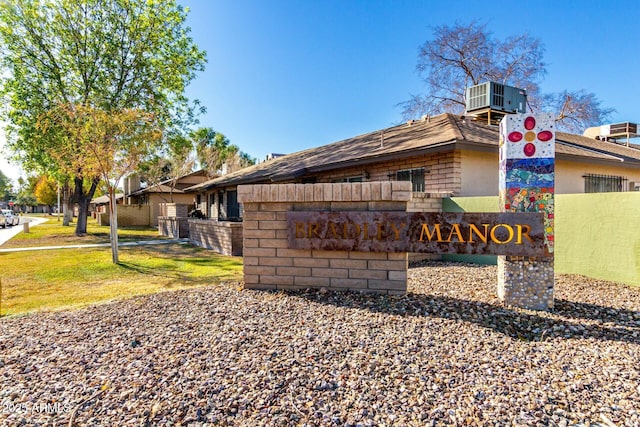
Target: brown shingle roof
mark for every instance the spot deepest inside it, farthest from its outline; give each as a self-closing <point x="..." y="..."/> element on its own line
<point x="627" y="154"/>
<point x="165" y="186"/>
<point x="157" y="188"/>
<point x="443" y="132"/>
<point x="105" y="199"/>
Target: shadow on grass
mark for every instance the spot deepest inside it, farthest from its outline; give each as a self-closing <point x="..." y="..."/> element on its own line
<point x="525" y="325"/>
<point x="149" y="271"/>
<point x="171" y="271"/>
<point x="175" y="277"/>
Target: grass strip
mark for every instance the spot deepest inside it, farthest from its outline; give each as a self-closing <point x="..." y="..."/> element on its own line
<point x="60" y="279"/>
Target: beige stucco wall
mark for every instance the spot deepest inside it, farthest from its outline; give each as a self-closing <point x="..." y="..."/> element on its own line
<point x="480" y="174"/>
<point x="569" y="175"/>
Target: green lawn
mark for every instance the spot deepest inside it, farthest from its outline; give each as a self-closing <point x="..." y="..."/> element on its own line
<point x="69" y="278"/>
<point x="54" y="233"/>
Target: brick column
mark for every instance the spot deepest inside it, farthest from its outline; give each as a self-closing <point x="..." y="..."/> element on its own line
<point x="527" y="177"/>
<point x="270" y="264"/>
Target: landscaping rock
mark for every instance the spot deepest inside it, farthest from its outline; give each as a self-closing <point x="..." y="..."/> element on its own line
<point x="447" y="353"/>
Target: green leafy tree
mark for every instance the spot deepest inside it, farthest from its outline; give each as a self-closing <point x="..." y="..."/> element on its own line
<point x="110" y="55"/>
<point x="214" y="150"/>
<point x="6" y="187"/>
<point x="106" y="144"/>
<point x="464" y="55"/>
<point x="168" y="165"/>
<point x="46" y="191"/>
<point x="239" y="161"/>
<point x="26" y="197"/>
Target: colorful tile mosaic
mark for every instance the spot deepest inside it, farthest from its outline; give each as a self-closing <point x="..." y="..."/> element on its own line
<point x="524" y="136"/>
<point x="529" y="173"/>
<point x="527" y="166"/>
<point x="531" y="199"/>
<point x="527" y="183"/>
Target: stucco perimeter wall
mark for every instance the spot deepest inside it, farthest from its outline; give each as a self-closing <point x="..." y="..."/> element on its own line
<point x="128" y="216"/>
<point x="479" y="173"/>
<point x="596" y="234"/>
<point x="270" y="264"/>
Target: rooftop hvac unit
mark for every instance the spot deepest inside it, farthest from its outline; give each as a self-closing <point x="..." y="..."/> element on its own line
<point x="619" y="129"/>
<point x="496" y="96"/>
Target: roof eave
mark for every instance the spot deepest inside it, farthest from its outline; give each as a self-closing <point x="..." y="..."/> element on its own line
<point x="433" y="148"/>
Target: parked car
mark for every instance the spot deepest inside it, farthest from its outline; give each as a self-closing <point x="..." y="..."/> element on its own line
<point x="3" y="220"/>
<point x="10" y="217"/>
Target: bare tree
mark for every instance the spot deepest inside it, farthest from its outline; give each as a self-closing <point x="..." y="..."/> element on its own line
<point x="576" y="111"/>
<point x="464" y="55"/>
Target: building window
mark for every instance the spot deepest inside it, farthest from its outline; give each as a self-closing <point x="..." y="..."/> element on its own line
<point x="349" y="179"/>
<point x="233" y="208"/>
<point x="416" y="176"/>
<point x="228" y="206"/>
<point x="604" y="183"/>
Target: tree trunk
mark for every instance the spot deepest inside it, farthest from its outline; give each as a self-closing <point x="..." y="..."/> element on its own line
<point x="66" y="196"/>
<point x="83" y="201"/>
<point x="113" y="224"/>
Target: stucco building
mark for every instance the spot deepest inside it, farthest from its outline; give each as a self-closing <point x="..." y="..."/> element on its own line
<point x="168" y="191"/>
<point x="449" y="154"/>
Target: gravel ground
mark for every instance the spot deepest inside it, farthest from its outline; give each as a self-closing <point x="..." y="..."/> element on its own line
<point x="445" y="354"/>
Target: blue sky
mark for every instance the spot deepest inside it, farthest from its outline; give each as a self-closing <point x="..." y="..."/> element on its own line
<point x="285" y="75"/>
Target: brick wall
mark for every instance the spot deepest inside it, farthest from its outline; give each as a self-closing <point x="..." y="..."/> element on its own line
<point x="443" y="171"/>
<point x="426" y="202"/>
<point x="220" y="236"/>
<point x="173" y="209"/>
<point x="174" y="227"/>
<point x="270" y="264"/>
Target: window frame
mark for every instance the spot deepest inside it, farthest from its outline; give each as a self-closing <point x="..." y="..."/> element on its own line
<point x="598" y="183"/>
<point x="413" y="175"/>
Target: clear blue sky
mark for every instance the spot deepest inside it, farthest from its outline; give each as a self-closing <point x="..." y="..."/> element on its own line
<point x="288" y="75"/>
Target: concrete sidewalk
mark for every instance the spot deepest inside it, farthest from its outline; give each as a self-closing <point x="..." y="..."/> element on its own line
<point x="7" y="233"/>
<point x="98" y="245"/>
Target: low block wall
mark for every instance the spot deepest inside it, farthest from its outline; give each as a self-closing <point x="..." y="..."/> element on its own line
<point x="426" y="202"/>
<point x="174" y="227"/>
<point x="128" y="216"/>
<point x="597" y="234"/>
<point x="221" y="236"/>
<point x="270" y="264"/>
<point x="173" y="210"/>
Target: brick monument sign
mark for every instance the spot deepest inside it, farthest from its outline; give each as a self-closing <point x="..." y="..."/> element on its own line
<point x="357" y="236"/>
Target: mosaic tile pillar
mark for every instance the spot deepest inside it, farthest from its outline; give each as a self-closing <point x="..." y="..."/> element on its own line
<point x="527" y="180"/>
